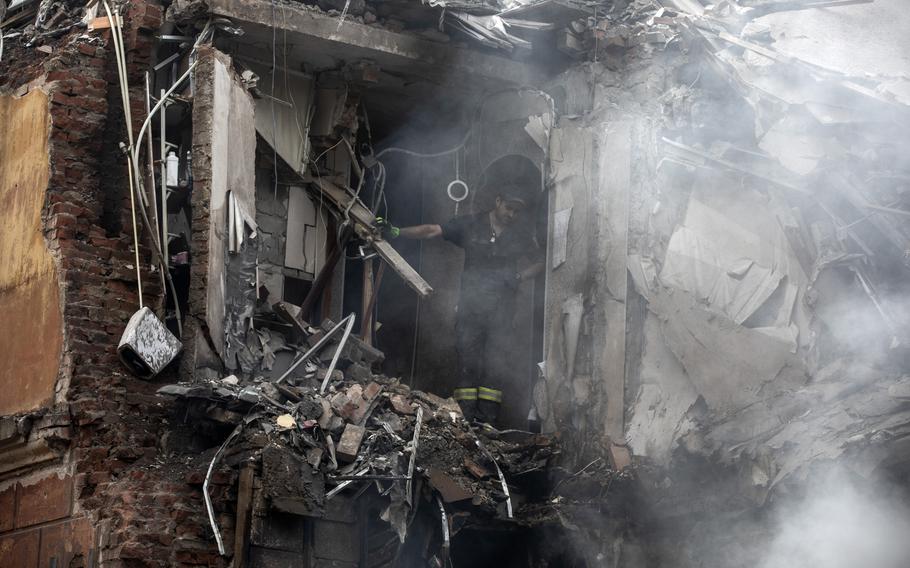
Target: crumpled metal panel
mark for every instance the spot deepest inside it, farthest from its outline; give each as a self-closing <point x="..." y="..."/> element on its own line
<point x="147" y="346"/>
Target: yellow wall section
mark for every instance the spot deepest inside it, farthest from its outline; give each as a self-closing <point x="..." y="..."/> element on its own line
<point x="31" y="335"/>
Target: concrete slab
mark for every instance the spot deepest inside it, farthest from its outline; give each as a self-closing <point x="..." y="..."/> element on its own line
<point x="318" y="35"/>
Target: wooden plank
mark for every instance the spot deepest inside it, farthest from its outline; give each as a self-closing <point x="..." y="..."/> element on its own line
<point x="291" y="314"/>
<point x="388" y="253"/>
<point x="322" y="279"/>
<point x="342" y="199"/>
<point x="365" y="219"/>
<point x="244" y="510"/>
<point x="366" y="298"/>
<point x="367" y="329"/>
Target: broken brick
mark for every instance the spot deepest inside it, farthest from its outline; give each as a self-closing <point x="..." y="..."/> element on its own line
<point x="349" y="444"/>
<point x="476" y="469"/>
<point x="401" y="405"/>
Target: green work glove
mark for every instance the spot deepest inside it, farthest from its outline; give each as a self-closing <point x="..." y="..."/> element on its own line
<point x="388" y="230"/>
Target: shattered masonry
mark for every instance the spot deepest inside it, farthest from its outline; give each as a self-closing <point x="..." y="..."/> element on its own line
<point x="715" y="356"/>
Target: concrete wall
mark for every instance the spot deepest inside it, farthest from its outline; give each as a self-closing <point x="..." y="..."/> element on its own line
<point x="32" y="338"/>
<point x="586" y="293"/>
<point x="224" y="146"/>
<point x="571" y="168"/>
<point x="284" y="128"/>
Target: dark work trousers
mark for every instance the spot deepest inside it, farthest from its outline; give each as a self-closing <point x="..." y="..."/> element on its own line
<point x="479" y="392"/>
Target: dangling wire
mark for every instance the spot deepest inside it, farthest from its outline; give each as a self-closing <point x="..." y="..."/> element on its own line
<point x="457" y="178"/>
<point x="125" y="100"/>
<point x="457" y="183"/>
<point x="133" y="151"/>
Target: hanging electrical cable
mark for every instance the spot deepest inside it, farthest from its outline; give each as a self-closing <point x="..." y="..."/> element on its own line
<point x="452" y="150"/>
<point x="159" y="254"/>
<point x="124" y="95"/>
<point x="158" y="249"/>
<point x="151" y="171"/>
<point x="133" y="150"/>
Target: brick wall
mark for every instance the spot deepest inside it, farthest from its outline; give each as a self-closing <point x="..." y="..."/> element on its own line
<point x="38" y="526"/>
<point x="117" y="488"/>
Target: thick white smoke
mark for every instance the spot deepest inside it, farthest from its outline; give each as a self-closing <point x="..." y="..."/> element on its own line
<point x="842" y="523"/>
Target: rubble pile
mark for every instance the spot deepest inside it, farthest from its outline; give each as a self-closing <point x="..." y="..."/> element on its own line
<point x="311" y="438"/>
<point x="641" y="22"/>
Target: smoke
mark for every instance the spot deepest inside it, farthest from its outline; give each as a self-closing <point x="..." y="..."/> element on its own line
<point x="842" y="522"/>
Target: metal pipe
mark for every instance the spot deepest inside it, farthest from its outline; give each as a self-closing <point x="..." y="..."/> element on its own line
<point x="164" y="63"/>
<point x="133" y="190"/>
<point x="414" y="442"/>
<point x="344" y="484"/>
<point x="156" y="242"/>
<point x="445" y="530"/>
<point x="162" y="263"/>
<point x="369" y="477"/>
<point x="344" y="339"/>
<point x="159" y="104"/>
<point x="205" y="488"/>
<point x="163" y="160"/>
<point x="502" y="478"/>
<point x="177" y="38"/>
<point x="313" y="350"/>
<point x="133" y="175"/>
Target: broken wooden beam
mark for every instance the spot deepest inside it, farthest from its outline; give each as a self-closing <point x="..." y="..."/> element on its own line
<point x="322" y="279"/>
<point x="291" y="314"/>
<point x="244" y="515"/>
<point x="365" y="220"/>
<point x="388" y="253"/>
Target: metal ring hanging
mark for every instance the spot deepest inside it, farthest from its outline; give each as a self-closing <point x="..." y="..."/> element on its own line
<point x="464" y="189"/>
<point x="457" y="182"/>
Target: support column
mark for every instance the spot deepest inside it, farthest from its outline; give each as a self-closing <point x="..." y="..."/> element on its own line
<point x="609" y="250"/>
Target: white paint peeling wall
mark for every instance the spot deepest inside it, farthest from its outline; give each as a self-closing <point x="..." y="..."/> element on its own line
<point x="233" y="150"/>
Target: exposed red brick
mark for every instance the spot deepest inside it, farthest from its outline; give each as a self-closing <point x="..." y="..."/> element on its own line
<point x="47" y="500"/>
<point x="63" y="542"/>
<point x="7" y="508"/>
<point x="20" y="550"/>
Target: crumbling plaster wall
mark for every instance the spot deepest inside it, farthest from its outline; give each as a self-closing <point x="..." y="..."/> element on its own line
<point x="730" y="405"/>
<point x="591" y="186"/>
<point x="29" y="290"/>
<point x="224" y="147"/>
<point x="615" y="331"/>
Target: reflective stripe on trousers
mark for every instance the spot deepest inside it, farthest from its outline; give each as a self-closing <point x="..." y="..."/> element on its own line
<point x="465" y="394"/>
<point x="493" y="395"/>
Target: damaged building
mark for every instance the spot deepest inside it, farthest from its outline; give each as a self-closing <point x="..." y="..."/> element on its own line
<point x="215" y="352"/>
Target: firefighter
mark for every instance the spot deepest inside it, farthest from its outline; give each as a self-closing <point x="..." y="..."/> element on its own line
<point x="499" y="249"/>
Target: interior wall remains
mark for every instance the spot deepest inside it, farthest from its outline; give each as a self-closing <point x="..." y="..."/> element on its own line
<point x="29" y="290"/>
<point x="224" y="145"/>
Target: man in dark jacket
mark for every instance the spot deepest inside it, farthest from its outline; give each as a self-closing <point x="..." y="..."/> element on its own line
<point x="499" y="254"/>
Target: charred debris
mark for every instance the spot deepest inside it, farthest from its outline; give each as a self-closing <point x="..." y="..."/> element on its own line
<point x="395" y="473"/>
<point x="723" y="313"/>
